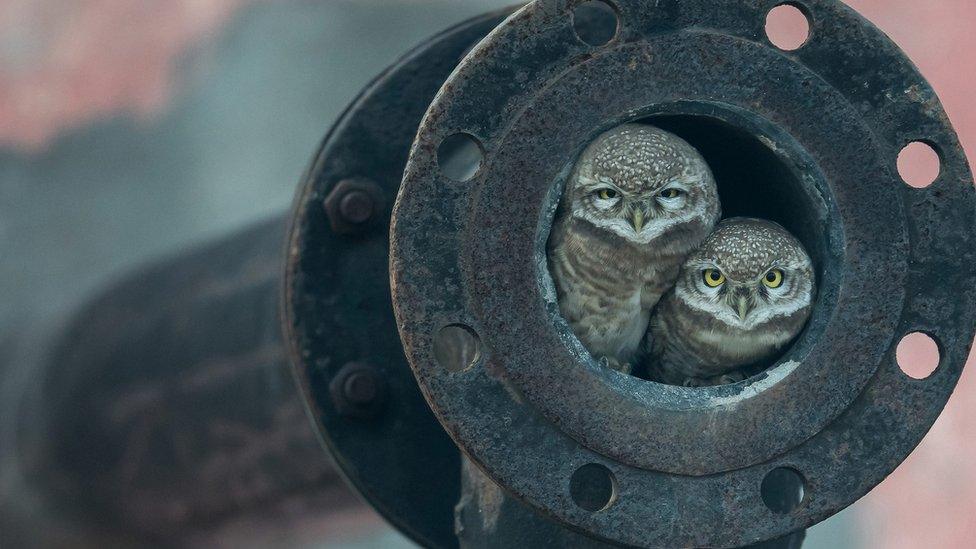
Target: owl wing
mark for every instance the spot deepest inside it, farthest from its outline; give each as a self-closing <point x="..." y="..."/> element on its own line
<point x="652" y="353"/>
<point x="652" y="347"/>
<point x="655" y="289"/>
<point x="664" y="360"/>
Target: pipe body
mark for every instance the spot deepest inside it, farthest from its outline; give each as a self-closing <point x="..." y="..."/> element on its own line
<point x="168" y="406"/>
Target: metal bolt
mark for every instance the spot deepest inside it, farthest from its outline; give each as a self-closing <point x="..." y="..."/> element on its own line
<point x="360" y="388"/>
<point x="353" y="205"/>
<point x="356" y="207"/>
<point x="358" y="391"/>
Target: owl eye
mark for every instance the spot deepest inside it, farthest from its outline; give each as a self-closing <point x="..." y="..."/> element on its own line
<point x="773" y="279"/>
<point x="713" y="278"/>
<point x="670" y="193"/>
<point x="607" y="194"/>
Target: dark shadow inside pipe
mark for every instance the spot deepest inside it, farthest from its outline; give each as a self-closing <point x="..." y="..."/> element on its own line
<point x="753" y="181"/>
<point x="760" y="175"/>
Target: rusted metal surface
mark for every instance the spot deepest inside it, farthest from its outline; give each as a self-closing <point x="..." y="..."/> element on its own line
<point x="487" y="517"/>
<point x="688" y="463"/>
<point x="337" y="301"/>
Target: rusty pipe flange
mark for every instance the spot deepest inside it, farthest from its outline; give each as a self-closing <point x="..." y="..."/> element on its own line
<point x="343" y="343"/>
<point x="686" y="465"/>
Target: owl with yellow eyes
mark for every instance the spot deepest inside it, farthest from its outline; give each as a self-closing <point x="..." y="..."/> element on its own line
<point x="741" y="297"/>
<point x="638" y="201"/>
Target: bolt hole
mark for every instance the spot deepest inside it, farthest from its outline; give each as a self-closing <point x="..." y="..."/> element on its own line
<point x="919" y="164"/>
<point x="596" y="23"/>
<point x="783" y="490"/>
<point x="918" y="355"/>
<point x="593" y="487"/>
<point x="457" y="348"/>
<point x="788" y="27"/>
<point x="460" y="156"/>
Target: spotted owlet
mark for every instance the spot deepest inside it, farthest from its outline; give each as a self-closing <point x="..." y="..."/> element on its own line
<point x="740" y="298"/>
<point x="639" y="200"/>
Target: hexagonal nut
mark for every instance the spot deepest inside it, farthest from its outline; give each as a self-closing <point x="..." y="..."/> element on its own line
<point x="354" y="205"/>
<point x="358" y="391"/>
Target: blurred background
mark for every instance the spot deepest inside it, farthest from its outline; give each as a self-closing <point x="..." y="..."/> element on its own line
<point x="134" y="129"/>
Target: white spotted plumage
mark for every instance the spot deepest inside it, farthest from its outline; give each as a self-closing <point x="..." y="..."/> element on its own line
<point x="639" y="200"/>
<point x="702" y="334"/>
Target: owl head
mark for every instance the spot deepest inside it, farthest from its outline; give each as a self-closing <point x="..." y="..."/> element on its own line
<point x="750" y="274"/>
<point x="640" y="182"/>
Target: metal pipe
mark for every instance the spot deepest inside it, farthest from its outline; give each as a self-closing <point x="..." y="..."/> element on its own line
<point x="168" y="405"/>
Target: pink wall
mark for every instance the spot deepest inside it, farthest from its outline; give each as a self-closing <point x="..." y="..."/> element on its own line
<point x="930" y="501"/>
<point x="66" y="63"/>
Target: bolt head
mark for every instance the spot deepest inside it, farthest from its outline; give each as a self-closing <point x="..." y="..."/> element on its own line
<point x="354" y="205"/>
<point x="358" y="391"/>
<point x="361" y="389"/>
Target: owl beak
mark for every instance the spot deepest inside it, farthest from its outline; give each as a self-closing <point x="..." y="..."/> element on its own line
<point x="742" y="307"/>
<point x="638" y="220"/>
<point x="741" y="302"/>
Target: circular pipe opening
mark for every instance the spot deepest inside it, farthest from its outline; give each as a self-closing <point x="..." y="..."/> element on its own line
<point x="758" y="176"/>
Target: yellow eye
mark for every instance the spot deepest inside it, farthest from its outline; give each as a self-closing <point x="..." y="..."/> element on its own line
<point x="670" y="193"/>
<point x="773" y="279"/>
<point x="713" y="278"/>
<point x="607" y="194"/>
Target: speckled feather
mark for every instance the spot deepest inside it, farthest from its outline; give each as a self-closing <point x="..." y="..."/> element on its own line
<point x="608" y="274"/>
<point x="696" y="337"/>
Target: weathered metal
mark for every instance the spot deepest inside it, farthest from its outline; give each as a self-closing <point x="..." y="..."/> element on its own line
<point x="487" y="517"/>
<point x="813" y="138"/>
<point x="337" y="300"/>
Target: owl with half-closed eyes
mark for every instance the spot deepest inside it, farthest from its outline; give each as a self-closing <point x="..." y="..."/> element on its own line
<point x="638" y="201"/>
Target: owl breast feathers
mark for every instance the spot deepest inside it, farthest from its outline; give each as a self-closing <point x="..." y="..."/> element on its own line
<point x="639" y="200"/>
